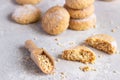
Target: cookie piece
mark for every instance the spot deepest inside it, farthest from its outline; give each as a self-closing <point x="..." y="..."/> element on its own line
<point x="27" y="1"/>
<point x="103" y="42"/>
<point x="26" y="14"/>
<point x="55" y="20"/>
<point x="80" y="13"/>
<point x="79" y="4"/>
<point x="83" y="24"/>
<point x="81" y="54"/>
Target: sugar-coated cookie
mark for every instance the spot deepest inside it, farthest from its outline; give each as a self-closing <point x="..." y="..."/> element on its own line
<point x="81" y="54"/>
<point x="79" y="4"/>
<point x="103" y="42"/>
<point x="26" y="14"/>
<point x="83" y="24"/>
<point x="80" y="13"/>
<point x="27" y="1"/>
<point x="55" y="20"/>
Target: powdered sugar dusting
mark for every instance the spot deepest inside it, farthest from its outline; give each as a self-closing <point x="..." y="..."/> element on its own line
<point x="24" y="10"/>
<point x="86" y="19"/>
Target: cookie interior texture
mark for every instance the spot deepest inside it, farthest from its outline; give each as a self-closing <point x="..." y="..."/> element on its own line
<point x="81" y="54"/>
<point x="103" y="42"/>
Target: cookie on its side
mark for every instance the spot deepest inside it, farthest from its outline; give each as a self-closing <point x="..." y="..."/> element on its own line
<point x="103" y="42"/>
<point x="26" y="14"/>
<point x="83" y="24"/>
<point x="81" y="54"/>
<point x="27" y="1"/>
<point x="79" y="4"/>
<point x="56" y="20"/>
<point x="80" y="13"/>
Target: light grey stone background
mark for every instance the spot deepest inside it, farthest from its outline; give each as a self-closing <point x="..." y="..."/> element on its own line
<point x="13" y="65"/>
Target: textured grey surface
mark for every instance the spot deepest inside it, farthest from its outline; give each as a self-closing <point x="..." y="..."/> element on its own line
<point x="13" y="65"/>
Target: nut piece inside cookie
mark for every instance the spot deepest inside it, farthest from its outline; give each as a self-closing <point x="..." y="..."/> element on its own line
<point x="103" y="42"/>
<point x="81" y="54"/>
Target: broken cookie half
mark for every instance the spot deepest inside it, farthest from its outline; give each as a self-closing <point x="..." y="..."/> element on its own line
<point x="81" y="54"/>
<point x="103" y="42"/>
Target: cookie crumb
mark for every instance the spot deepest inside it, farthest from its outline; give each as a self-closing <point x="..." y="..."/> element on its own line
<point x="113" y="30"/>
<point x="71" y="43"/>
<point x="100" y="56"/>
<point x="35" y="38"/>
<point x="62" y="73"/>
<point x="56" y="39"/>
<point x="57" y="60"/>
<point x="59" y="44"/>
<point x="52" y="49"/>
<point x="85" y="68"/>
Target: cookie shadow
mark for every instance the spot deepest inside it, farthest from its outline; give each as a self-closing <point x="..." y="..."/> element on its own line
<point x="37" y="28"/>
<point x="14" y="2"/>
<point x="28" y="63"/>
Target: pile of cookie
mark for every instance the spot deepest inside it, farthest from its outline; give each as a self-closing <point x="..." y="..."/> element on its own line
<point x="81" y="13"/>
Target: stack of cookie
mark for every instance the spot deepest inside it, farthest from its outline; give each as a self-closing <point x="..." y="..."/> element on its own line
<point x="81" y="13"/>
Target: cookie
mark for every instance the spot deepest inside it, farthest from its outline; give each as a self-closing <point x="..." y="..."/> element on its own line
<point x="41" y="57"/>
<point x="79" y="4"/>
<point x="83" y="24"/>
<point x="27" y="1"/>
<point x="26" y="14"/>
<point x="80" y="13"/>
<point x="80" y="54"/>
<point x="55" y="20"/>
<point x="103" y="42"/>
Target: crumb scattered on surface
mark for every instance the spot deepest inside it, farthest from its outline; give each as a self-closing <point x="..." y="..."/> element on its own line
<point x="62" y="75"/>
<point x="59" y="44"/>
<point x="85" y="68"/>
<point x="35" y="38"/>
<point x="57" y="60"/>
<point x="100" y="56"/>
<point x="71" y="43"/>
<point x="56" y="39"/>
<point x="53" y="49"/>
<point x="113" y="30"/>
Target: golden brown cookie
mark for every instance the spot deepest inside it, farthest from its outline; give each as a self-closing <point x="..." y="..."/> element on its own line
<point x="81" y="54"/>
<point x="103" y="42"/>
<point x="79" y="4"/>
<point x="80" y="13"/>
<point x="55" y="20"/>
<point x="83" y="24"/>
<point x="27" y="1"/>
<point x="26" y="14"/>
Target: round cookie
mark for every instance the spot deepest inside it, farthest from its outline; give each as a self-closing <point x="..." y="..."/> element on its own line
<point x="55" y="20"/>
<point x="80" y="13"/>
<point x="26" y="14"/>
<point x="83" y="24"/>
<point x="27" y="1"/>
<point x="79" y="4"/>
